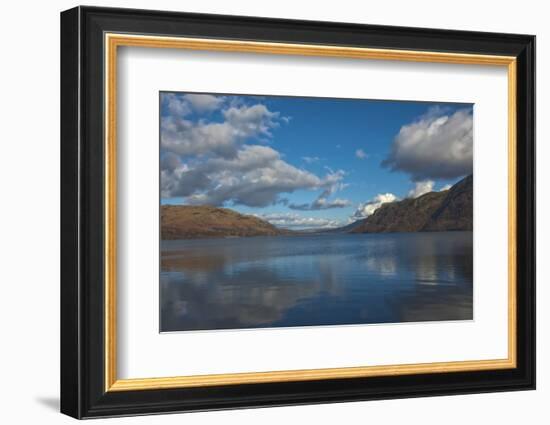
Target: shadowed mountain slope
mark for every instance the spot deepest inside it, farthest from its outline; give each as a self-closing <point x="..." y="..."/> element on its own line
<point x="434" y="211"/>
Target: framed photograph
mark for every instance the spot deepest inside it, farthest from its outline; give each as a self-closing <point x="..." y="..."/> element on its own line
<point x="261" y="212"/>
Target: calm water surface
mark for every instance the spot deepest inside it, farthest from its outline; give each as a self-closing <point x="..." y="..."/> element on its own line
<point x="315" y="280"/>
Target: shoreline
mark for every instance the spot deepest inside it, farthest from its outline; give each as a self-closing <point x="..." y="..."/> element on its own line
<point x="306" y="234"/>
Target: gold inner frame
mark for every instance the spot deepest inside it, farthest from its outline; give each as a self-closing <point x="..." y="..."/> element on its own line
<point x="113" y="41"/>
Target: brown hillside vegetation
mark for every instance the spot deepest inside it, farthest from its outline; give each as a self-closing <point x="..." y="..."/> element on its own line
<point x="191" y="222"/>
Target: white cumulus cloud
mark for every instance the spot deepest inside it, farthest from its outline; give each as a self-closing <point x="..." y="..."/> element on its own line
<point x="255" y="177"/>
<point x="296" y="221"/>
<point x="204" y="102"/>
<point x="436" y="146"/>
<point x="331" y="184"/>
<point x="208" y="161"/>
<point x="185" y="135"/>
<point x="188" y="138"/>
<point x="421" y="188"/>
<point x="321" y="203"/>
<point x="361" y="154"/>
<point x="180" y="105"/>
<point x="369" y="207"/>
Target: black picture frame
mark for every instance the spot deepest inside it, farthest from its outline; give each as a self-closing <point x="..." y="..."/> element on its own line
<point x="83" y="392"/>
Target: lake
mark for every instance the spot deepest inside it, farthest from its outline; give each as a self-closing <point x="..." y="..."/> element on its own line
<point x="310" y="280"/>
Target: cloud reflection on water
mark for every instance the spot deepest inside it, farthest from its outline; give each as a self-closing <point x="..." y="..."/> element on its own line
<point x="315" y="280"/>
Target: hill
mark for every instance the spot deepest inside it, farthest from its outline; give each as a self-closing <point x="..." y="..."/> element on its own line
<point x="191" y="222"/>
<point x="434" y="211"/>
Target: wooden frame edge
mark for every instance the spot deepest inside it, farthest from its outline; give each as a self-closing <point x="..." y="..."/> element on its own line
<point x="114" y="40"/>
<point x="137" y="384"/>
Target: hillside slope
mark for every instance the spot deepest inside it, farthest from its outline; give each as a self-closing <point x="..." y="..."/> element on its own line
<point x="190" y="222"/>
<point x="456" y="211"/>
<point x="435" y="211"/>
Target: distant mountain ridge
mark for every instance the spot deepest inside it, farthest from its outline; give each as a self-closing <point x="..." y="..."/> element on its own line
<point x="193" y="222"/>
<point x="434" y="211"/>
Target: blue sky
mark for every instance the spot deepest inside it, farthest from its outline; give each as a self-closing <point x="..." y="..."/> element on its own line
<point x="308" y="162"/>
